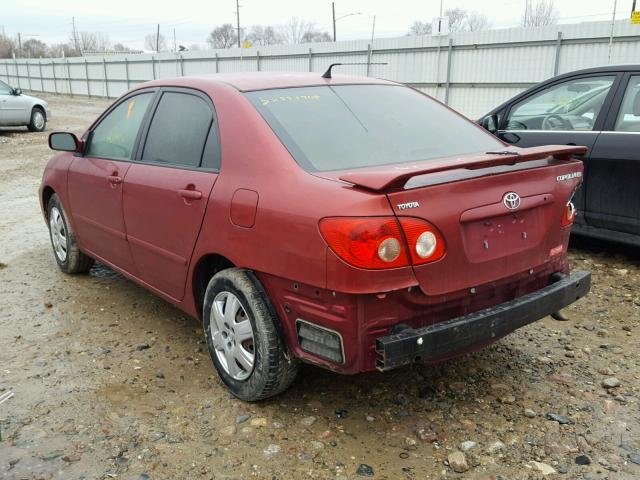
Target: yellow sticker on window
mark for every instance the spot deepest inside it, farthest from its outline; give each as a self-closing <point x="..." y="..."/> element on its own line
<point x="130" y="108"/>
<point x="288" y="98"/>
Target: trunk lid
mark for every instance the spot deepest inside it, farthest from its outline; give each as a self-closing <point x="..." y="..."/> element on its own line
<point x="499" y="213"/>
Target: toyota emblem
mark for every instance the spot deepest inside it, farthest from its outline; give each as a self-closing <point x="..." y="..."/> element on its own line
<point x="511" y="200"/>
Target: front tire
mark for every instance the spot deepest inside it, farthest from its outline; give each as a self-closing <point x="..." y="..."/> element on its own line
<point x="63" y="240"/>
<point x="38" y="120"/>
<point x="240" y="326"/>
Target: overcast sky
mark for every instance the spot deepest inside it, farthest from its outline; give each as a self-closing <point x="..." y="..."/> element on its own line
<point x="128" y="21"/>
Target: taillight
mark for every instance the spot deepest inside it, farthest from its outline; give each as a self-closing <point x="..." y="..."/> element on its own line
<point x="426" y="243"/>
<point x="569" y="214"/>
<point x="366" y="242"/>
<point x="378" y="242"/>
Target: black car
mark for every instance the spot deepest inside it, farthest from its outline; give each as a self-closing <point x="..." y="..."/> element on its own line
<point x="600" y="109"/>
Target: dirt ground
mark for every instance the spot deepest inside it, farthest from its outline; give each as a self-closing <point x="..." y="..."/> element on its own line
<point x="112" y="382"/>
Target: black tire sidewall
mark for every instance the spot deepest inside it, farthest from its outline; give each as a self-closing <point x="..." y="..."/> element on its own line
<point x="54" y="202"/>
<point x="32" y="126"/>
<point x="252" y="388"/>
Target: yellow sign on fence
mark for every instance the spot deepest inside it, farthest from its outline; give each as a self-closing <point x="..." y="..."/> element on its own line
<point x="635" y="18"/>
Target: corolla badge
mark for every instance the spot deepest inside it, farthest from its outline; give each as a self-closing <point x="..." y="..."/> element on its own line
<point x="511" y="200"/>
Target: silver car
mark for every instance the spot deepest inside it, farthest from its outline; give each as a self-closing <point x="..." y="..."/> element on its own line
<point x="17" y="109"/>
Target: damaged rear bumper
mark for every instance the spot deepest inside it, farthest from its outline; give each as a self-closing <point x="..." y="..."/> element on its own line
<point x="481" y="327"/>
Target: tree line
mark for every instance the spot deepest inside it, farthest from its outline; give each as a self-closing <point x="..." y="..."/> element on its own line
<point x="295" y="30"/>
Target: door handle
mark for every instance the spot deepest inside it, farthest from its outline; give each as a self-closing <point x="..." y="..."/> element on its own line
<point x="572" y="144"/>
<point x="190" y="194"/>
<point x="114" y="179"/>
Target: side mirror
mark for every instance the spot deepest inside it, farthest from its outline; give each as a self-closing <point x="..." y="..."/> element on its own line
<point x="64" y="142"/>
<point x="17" y="91"/>
<point x="490" y="123"/>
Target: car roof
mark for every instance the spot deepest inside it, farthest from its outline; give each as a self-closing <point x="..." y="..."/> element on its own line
<point x="249" y="81"/>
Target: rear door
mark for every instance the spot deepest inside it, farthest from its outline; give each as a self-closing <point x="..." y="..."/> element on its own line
<point x="166" y="190"/>
<point x="568" y="112"/>
<point x="613" y="196"/>
<point x="94" y="180"/>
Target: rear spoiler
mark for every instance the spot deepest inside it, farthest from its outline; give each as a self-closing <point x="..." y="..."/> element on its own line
<point x="396" y="176"/>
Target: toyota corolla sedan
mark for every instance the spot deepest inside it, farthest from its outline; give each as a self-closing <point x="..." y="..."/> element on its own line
<point x="348" y="222"/>
<point x="18" y="109"/>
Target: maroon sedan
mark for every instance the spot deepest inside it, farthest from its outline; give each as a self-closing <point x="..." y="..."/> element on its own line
<point x="352" y="223"/>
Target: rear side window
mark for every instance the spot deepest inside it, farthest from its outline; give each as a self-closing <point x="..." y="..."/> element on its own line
<point x="115" y="135"/>
<point x="178" y="130"/>
<point x="629" y="115"/>
<point x="352" y="126"/>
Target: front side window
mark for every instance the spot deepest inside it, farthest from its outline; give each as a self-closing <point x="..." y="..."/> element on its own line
<point x="571" y="105"/>
<point x="352" y="126"/>
<point x="5" y="89"/>
<point x="115" y="135"/>
<point x="629" y="116"/>
<point x="178" y="130"/>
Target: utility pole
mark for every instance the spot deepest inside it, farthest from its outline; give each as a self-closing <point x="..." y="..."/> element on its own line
<point x="19" y="45"/>
<point x="75" y="34"/>
<point x="633" y="9"/>
<point x="238" y="21"/>
<point x="175" y="48"/>
<point x="373" y="29"/>
<point x="333" y="11"/>
<point x="613" y="22"/>
<point x="526" y="13"/>
<point x="158" y="39"/>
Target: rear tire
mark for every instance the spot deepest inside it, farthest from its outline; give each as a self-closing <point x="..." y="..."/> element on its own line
<point x="241" y="329"/>
<point x="63" y="240"/>
<point x="38" y="120"/>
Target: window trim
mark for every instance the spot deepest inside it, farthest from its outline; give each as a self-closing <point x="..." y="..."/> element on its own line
<point x="616" y="103"/>
<point x="602" y="114"/>
<point x="86" y="138"/>
<point x="213" y="130"/>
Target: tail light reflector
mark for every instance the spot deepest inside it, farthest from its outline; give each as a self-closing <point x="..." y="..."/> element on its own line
<point x="569" y="214"/>
<point x="426" y="243"/>
<point x="382" y="242"/>
<point x="366" y="242"/>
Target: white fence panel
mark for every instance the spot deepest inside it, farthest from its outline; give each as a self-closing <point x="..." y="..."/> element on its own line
<point x="472" y="72"/>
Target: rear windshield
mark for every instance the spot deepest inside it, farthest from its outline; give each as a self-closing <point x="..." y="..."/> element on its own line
<point x="352" y="126"/>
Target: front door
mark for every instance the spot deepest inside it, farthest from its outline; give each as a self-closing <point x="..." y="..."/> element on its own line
<point x="613" y="196"/>
<point x="14" y="109"/>
<point x="95" y="182"/>
<point x="566" y="113"/>
<point x="167" y="189"/>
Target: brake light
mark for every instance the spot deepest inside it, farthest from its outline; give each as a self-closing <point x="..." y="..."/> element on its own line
<point x="366" y="242"/>
<point x="378" y="242"/>
<point x="569" y="214"/>
<point x="426" y="243"/>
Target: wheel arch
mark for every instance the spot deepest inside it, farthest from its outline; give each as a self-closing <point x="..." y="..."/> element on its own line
<point x="47" y="193"/>
<point x="206" y="267"/>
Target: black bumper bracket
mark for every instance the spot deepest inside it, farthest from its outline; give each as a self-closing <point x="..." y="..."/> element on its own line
<point x="484" y="326"/>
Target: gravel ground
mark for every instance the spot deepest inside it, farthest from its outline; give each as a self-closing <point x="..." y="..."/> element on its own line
<point x="112" y="382"/>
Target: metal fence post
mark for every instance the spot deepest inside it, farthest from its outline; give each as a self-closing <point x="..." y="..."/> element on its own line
<point x="368" y="59"/>
<point x="106" y="78"/>
<point x="556" y="62"/>
<point x="448" y="84"/>
<point x="217" y="63"/>
<point x="86" y="76"/>
<point x="69" y="78"/>
<point x="55" y="81"/>
<point x="258" y="60"/>
<point x="29" y="75"/>
<point x="310" y="60"/>
<point x="126" y="72"/>
<point x="6" y="69"/>
<point x="181" y="65"/>
<point x="41" y="76"/>
<point x="153" y="67"/>
<point x="15" y="61"/>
